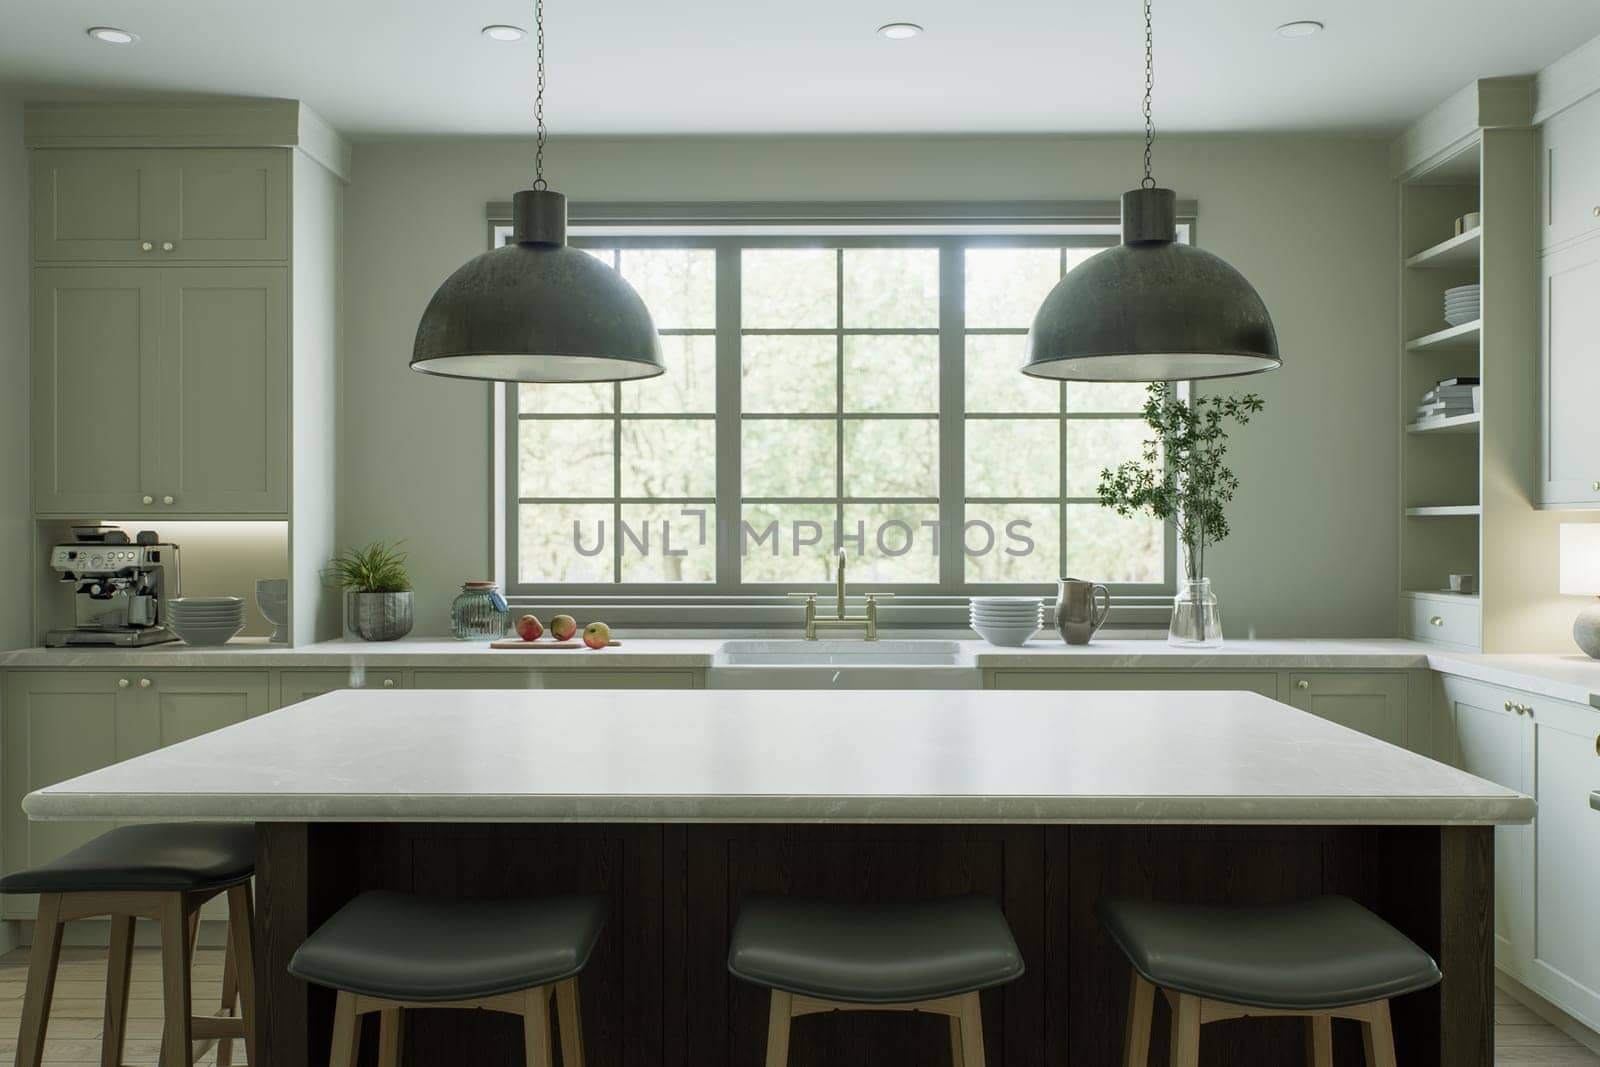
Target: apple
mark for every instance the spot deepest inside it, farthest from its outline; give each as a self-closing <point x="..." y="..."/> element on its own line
<point x="562" y="627"/>
<point x="597" y="635"/>
<point x="529" y="628"/>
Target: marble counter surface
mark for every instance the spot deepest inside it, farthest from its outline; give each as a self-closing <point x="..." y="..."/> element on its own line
<point x="718" y="756"/>
<point x="1575" y="677"/>
<point x="407" y="652"/>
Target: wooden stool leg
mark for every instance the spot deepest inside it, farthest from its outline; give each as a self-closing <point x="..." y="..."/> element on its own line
<point x="1185" y="1031"/>
<point x="389" y="1037"/>
<point x="177" y="1048"/>
<point x="957" y="1057"/>
<point x="228" y="1002"/>
<point x="242" y="940"/>
<point x="1319" y="1041"/>
<point x="571" y="1018"/>
<point x="1378" y="1037"/>
<point x="42" y="963"/>
<point x="346" y="1042"/>
<point x="778" y="1017"/>
<point x="536" y="1027"/>
<point x="1141" y="1013"/>
<point x="971" y="1031"/>
<point x="119" y="971"/>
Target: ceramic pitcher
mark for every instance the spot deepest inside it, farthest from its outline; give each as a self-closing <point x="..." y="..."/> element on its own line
<point x="1081" y="609"/>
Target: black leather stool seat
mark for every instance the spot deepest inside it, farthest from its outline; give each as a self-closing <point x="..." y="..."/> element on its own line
<point x="397" y="946"/>
<point x="874" y="953"/>
<point x="1306" y="955"/>
<point x="156" y="858"/>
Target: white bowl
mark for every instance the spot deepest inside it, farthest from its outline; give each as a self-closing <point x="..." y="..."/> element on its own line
<point x="1004" y="616"/>
<point x="201" y="615"/>
<point x="209" y="600"/>
<point x="1006" y="638"/>
<point x="208" y="637"/>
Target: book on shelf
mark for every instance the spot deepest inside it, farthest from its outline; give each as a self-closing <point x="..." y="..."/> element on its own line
<point x="1447" y="382"/>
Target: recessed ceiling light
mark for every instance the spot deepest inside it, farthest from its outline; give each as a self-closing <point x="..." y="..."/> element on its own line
<point x="1303" y="28"/>
<point x="504" y="33"/>
<point x="111" y="35"/>
<point x="900" y="31"/>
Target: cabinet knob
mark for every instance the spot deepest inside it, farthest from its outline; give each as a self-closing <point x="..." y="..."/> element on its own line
<point x="144" y="683"/>
<point x="149" y="499"/>
<point x="1302" y="684"/>
<point x="388" y="683"/>
<point x="122" y="683"/>
<point x="167" y="246"/>
<point x="1595" y="486"/>
<point x="1597" y="211"/>
<point x="1437" y="620"/>
<point x="145" y="246"/>
<point x="166" y="500"/>
<point x="1508" y="705"/>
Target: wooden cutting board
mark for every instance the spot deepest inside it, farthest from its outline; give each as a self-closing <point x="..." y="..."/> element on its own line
<point x="539" y="646"/>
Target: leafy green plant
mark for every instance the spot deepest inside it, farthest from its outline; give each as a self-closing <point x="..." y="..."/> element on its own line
<point x="1181" y="476"/>
<point x="376" y="568"/>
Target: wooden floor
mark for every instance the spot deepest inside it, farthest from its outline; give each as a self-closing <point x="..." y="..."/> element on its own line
<point x="1522" y="1039"/>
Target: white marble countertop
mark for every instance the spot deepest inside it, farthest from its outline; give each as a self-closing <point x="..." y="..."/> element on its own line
<point x="690" y="756"/>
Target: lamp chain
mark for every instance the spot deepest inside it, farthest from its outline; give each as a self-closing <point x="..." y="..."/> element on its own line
<point x="538" y="102"/>
<point x="1149" y="85"/>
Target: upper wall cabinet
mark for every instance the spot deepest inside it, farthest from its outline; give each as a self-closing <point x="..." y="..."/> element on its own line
<point x="1570" y="173"/>
<point x="1569" y="363"/>
<point x="160" y="205"/>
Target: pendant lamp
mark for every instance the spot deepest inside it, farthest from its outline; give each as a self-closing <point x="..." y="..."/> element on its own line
<point x="536" y="309"/>
<point x="1151" y="309"/>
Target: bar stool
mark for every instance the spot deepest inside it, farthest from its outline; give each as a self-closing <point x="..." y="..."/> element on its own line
<point x="163" y="872"/>
<point x="823" y="956"/>
<point x="389" y="953"/>
<point x="1325" y="958"/>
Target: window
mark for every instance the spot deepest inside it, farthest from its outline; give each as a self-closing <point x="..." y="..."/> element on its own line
<point x="860" y="390"/>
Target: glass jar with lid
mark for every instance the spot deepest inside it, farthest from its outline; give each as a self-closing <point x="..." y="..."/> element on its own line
<point x="479" y="613"/>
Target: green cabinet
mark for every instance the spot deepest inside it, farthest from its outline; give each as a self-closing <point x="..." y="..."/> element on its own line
<point x="160" y="392"/>
<point x="56" y="725"/>
<point x="1263" y="682"/>
<point x="1372" y="704"/>
<point x="582" y="678"/>
<point x="160" y="206"/>
<point x="297" y="685"/>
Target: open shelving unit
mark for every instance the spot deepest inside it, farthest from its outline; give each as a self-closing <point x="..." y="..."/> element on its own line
<point x="1463" y="505"/>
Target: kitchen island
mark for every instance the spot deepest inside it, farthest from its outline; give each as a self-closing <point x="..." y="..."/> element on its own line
<point x="677" y="804"/>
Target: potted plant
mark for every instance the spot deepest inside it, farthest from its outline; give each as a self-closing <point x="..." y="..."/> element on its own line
<point x="377" y="602"/>
<point x="1182" y="478"/>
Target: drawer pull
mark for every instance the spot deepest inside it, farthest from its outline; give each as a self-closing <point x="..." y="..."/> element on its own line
<point x="1595" y="486"/>
<point x="1302" y="684"/>
<point x="122" y="683"/>
<point x="166" y="500"/>
<point x="1436" y="620"/>
<point x="149" y="499"/>
<point x="145" y="246"/>
<point x="1508" y="705"/>
<point x="1597" y="744"/>
<point x="144" y="683"/>
<point x="1597" y="211"/>
<point x="167" y="246"/>
<point x="388" y="683"/>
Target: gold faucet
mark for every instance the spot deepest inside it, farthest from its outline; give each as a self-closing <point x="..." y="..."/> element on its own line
<point x="840" y="619"/>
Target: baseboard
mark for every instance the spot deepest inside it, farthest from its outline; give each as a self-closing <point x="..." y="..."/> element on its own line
<point x="1547" y="1011"/>
<point x="96" y="933"/>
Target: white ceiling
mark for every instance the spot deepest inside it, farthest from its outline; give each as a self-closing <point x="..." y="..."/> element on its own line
<point x="394" y="67"/>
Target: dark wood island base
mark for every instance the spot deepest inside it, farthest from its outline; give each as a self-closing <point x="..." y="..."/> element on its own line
<point x="657" y="993"/>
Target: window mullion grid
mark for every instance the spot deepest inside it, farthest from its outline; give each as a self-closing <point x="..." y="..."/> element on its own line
<point x="1061" y="461"/>
<point x="838" y="399"/>
<point x="730" y="418"/>
<point x="952" y="412"/>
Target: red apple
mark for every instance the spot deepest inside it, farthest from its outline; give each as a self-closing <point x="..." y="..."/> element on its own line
<point x="562" y="627"/>
<point x="597" y="635"/>
<point x="529" y="628"/>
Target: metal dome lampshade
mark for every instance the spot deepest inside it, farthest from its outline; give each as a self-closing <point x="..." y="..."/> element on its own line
<point x="1151" y="309"/>
<point x="536" y="309"/>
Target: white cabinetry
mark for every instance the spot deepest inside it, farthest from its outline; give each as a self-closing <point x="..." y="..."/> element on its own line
<point x="1569" y="173"/>
<point x="1569" y="375"/>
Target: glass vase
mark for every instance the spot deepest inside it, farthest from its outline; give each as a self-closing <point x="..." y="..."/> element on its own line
<point x="1196" y="622"/>
<point x="479" y="613"/>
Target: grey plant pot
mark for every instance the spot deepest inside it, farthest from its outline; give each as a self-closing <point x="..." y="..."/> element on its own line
<point x="378" y="616"/>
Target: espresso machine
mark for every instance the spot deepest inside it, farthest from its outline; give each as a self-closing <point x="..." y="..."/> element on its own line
<point x="120" y="587"/>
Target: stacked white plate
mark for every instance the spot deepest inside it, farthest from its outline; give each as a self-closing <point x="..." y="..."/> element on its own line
<point x="1461" y="304"/>
<point x="206" y="620"/>
<point x="1005" y="620"/>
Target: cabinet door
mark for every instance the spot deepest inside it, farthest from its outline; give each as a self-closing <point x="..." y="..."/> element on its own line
<point x="101" y="204"/>
<point x="224" y="204"/>
<point x="57" y="725"/>
<point x="1566" y="944"/>
<point x="1256" y="682"/>
<point x="582" y="678"/>
<point x="96" y="335"/>
<point x="1570" y="172"/>
<point x="183" y="704"/>
<point x="224" y="383"/>
<point x="1372" y="704"/>
<point x="1569" y="359"/>
<point x="295" y="686"/>
<point x="1491" y="741"/>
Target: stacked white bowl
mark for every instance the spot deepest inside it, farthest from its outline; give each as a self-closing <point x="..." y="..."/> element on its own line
<point x="206" y="620"/>
<point x="1461" y="304"/>
<point x="1006" y="620"/>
